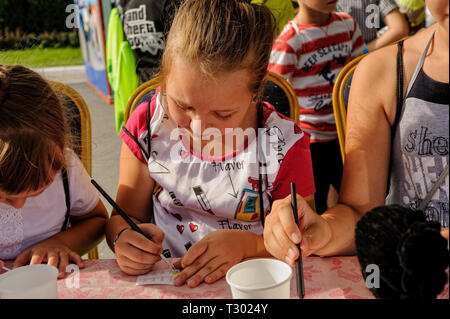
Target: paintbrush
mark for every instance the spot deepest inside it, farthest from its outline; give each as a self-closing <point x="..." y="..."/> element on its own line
<point x="299" y="261"/>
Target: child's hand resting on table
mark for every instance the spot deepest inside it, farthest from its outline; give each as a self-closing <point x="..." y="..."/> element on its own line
<point x="281" y="234"/>
<point x="136" y="254"/>
<point x="51" y="251"/>
<point x="209" y="259"/>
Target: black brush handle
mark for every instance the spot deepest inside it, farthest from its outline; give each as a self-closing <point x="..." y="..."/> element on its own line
<point x="299" y="261"/>
<point x="119" y="210"/>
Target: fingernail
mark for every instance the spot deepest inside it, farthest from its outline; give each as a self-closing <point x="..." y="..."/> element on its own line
<point x="289" y="260"/>
<point x="291" y="254"/>
<point x="295" y="238"/>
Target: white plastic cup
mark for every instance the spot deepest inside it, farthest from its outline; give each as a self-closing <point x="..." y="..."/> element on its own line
<point x="260" y="279"/>
<point x="30" y="282"/>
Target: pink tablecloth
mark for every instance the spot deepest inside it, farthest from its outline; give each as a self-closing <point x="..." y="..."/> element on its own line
<point x="325" y="278"/>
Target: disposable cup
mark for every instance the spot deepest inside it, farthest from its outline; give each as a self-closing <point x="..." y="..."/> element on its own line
<point x="262" y="278"/>
<point x="30" y="282"/>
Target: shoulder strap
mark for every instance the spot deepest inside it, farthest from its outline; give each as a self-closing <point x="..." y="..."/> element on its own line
<point x="399" y="105"/>
<point x="400" y="89"/>
<point x="67" y="195"/>
<point x="149" y="131"/>
<point x="433" y="190"/>
<point x="147" y="153"/>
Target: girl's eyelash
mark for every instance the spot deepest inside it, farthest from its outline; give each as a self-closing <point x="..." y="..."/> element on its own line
<point x="181" y="107"/>
<point x="223" y="117"/>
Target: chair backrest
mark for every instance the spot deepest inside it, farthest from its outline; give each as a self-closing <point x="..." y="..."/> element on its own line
<point x="279" y="93"/>
<point x="80" y="125"/>
<point x="341" y="91"/>
<point x="143" y="93"/>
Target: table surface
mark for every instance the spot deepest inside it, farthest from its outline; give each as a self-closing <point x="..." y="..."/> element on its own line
<point x="325" y="278"/>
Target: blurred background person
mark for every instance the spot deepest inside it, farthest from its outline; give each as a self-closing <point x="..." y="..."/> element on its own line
<point x="372" y="15"/>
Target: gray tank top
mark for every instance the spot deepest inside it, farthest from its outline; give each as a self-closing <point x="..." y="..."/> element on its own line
<point x="420" y="146"/>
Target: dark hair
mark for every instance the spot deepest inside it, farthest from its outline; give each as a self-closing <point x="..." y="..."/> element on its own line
<point x="33" y="131"/>
<point x="409" y="250"/>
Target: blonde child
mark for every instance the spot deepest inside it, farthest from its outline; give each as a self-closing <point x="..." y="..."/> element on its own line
<point x="310" y="52"/>
<point x="209" y="204"/>
<point x="387" y="126"/>
<point x="37" y="171"/>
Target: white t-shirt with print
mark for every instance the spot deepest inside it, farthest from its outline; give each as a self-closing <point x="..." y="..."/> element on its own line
<point x="43" y="216"/>
<point x="199" y="194"/>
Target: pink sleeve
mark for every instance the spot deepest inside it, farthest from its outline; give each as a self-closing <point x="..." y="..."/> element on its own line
<point x="296" y="167"/>
<point x="136" y="126"/>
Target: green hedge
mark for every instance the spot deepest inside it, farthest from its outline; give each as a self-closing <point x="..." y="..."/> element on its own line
<point x="45" y="40"/>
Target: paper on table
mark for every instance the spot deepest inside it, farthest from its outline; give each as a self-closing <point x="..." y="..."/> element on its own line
<point x="157" y="277"/>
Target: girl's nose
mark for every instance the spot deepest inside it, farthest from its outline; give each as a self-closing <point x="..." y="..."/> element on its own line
<point x="198" y="124"/>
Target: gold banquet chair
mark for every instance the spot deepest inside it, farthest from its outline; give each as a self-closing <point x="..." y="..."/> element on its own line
<point x="143" y="93"/>
<point x="279" y="93"/>
<point x="80" y="124"/>
<point x="341" y="91"/>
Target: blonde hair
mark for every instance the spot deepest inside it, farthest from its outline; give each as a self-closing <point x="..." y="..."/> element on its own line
<point x="33" y="131"/>
<point x="222" y="36"/>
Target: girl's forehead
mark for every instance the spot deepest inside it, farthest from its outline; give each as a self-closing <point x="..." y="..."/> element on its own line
<point x="185" y="77"/>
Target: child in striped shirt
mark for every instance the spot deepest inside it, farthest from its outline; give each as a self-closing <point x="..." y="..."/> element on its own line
<point x="310" y="52"/>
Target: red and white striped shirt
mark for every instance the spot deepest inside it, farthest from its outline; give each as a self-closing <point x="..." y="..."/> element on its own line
<point x="310" y="57"/>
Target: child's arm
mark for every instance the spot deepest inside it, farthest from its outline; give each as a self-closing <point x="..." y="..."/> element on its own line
<point x="86" y="232"/>
<point x="398" y="28"/>
<point x="135" y="254"/>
